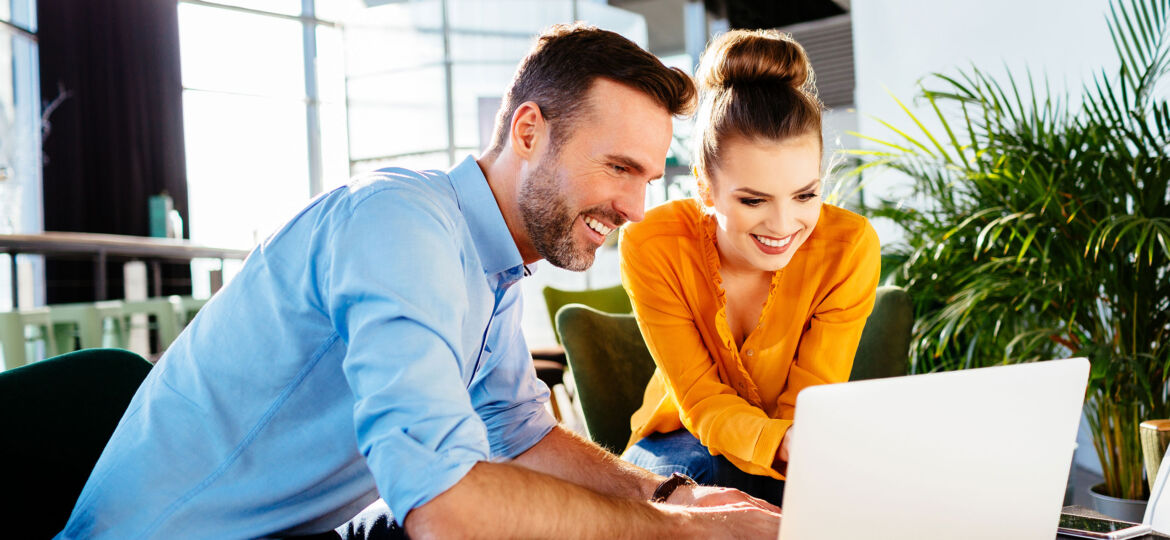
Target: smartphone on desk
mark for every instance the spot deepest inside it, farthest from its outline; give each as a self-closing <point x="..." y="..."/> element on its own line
<point x="1107" y="529"/>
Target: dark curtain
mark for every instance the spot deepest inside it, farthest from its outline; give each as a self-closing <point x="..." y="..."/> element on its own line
<point x="116" y="134"/>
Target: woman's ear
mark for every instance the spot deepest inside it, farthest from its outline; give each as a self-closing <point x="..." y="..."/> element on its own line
<point x="704" y="188"/>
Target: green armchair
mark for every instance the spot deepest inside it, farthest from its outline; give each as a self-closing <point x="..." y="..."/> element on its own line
<point x="608" y="300"/>
<point x="56" y="416"/>
<point x="611" y="364"/>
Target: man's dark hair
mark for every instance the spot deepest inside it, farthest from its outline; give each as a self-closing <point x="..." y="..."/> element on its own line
<point x="564" y="63"/>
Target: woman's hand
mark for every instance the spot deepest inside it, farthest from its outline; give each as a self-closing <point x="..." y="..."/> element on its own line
<point x="780" y="463"/>
<point x="782" y="453"/>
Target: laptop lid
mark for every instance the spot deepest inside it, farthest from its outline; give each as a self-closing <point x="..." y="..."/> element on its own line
<point x="979" y="453"/>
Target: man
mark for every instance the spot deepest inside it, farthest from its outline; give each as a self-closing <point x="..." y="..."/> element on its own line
<point x="371" y="347"/>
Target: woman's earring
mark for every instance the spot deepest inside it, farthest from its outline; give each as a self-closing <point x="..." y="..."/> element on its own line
<point x="705" y="193"/>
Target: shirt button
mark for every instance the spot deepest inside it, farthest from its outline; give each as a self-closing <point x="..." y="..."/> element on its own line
<point x="750" y="352"/>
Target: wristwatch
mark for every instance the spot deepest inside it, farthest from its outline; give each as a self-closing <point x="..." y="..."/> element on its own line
<point x="669" y="485"/>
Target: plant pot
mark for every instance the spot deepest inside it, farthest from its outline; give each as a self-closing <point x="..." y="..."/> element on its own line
<point x="1124" y="509"/>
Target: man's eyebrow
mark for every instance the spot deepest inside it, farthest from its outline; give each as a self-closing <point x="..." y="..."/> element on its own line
<point x="631" y="163"/>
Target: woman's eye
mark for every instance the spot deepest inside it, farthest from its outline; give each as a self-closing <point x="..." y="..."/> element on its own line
<point x="805" y="197"/>
<point x="751" y="201"/>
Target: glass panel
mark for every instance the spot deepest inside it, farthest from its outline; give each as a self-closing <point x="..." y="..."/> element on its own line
<point x="247" y="166"/>
<point x="241" y="52"/>
<point x="508" y="17"/>
<point x="472" y="82"/>
<point x="392" y="37"/>
<point x="330" y="65"/>
<point x="334" y="146"/>
<point x="418" y="162"/>
<point x="397" y="113"/>
<point x="20" y="157"/>
<point x="21" y="13"/>
<point x="283" y="7"/>
<point x="380" y="131"/>
<point x="336" y="10"/>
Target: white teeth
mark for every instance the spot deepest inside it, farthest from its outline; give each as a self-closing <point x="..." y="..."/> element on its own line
<point x="774" y="243"/>
<point x="597" y="226"/>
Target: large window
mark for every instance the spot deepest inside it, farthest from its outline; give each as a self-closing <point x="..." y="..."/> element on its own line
<point x="264" y="117"/>
<point x="20" y="157"/>
<point x="276" y="90"/>
<point x="426" y="77"/>
<point x="264" y="114"/>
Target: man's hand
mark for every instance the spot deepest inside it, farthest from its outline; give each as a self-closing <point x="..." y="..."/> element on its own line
<point x="739" y="520"/>
<point x="712" y="496"/>
<point x="522" y="503"/>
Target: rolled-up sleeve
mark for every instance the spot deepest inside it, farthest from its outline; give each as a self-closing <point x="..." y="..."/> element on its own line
<point x="510" y="398"/>
<point x="395" y="297"/>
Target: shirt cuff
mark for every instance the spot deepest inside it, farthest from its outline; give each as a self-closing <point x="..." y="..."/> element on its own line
<point x="768" y="444"/>
<point x="412" y="474"/>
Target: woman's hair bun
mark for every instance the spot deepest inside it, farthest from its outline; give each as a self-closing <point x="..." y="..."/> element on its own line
<point x="747" y="57"/>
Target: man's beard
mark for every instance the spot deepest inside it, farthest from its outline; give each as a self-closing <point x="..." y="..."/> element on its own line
<point x="549" y="222"/>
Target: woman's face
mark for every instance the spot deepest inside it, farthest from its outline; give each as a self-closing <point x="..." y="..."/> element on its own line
<point x="766" y="198"/>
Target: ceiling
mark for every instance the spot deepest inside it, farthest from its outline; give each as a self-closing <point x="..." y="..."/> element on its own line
<point x="664" y="18"/>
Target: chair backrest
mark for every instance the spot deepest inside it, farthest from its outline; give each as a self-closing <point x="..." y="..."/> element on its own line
<point x="56" y="416"/>
<point x="612" y="366"/>
<point x="609" y="300"/>
<point x="885" y="341"/>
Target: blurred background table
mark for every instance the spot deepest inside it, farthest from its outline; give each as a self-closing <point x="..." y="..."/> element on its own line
<point x="102" y="247"/>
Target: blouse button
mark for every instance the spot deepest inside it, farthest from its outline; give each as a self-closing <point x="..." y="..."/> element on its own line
<point x="750" y="352"/>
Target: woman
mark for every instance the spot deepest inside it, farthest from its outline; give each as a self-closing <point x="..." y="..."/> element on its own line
<point x="754" y="292"/>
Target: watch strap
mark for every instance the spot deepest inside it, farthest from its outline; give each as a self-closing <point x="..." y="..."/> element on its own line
<point x="668" y="486"/>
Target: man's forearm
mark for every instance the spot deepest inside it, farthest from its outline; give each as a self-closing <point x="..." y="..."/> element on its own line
<point x="499" y="500"/>
<point x="570" y="457"/>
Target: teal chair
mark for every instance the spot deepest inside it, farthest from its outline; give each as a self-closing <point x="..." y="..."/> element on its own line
<point x="611" y="364"/>
<point x="56" y="416"/>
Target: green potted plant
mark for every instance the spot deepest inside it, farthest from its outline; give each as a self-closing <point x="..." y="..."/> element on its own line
<point x="1040" y="226"/>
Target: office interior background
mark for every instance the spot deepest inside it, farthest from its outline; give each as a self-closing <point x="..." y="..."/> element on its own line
<point x="243" y="110"/>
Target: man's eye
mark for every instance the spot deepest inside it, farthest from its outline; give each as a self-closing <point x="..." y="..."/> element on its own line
<point x="619" y="169"/>
<point x="751" y="201"/>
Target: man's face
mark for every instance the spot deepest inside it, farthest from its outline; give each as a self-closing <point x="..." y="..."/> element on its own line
<point x="595" y="179"/>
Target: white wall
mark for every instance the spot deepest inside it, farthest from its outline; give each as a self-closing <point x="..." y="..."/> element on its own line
<point x="898" y="42"/>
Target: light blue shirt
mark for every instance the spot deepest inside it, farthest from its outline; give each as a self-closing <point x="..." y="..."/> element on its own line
<point x="370" y="347"/>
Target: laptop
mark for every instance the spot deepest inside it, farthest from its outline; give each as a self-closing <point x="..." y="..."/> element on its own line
<point x="979" y="453"/>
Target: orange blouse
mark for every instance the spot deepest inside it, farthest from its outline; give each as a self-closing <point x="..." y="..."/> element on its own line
<point x="739" y="402"/>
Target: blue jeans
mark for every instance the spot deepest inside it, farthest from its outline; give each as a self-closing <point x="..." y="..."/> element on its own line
<point x="679" y="451"/>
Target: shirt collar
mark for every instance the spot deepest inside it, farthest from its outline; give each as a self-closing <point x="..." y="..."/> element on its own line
<point x="490" y="233"/>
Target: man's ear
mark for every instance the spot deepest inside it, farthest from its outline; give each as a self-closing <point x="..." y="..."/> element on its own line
<point x="527" y="129"/>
